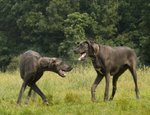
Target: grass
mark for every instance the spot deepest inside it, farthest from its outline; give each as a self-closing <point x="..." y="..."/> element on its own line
<point x="71" y="95"/>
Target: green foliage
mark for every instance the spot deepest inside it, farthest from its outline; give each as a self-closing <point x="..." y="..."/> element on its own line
<point x="109" y="20"/>
<point x="14" y="64"/>
<point x="4" y="52"/>
<point x="145" y="50"/>
<point x="52" y="27"/>
<point x="33" y="21"/>
<point x="76" y="27"/>
<point x="80" y="23"/>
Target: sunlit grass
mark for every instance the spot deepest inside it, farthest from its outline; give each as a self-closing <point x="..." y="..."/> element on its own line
<point x="71" y="95"/>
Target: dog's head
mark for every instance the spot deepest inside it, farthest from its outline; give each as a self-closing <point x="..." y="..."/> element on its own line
<point x="86" y="48"/>
<point x="54" y="64"/>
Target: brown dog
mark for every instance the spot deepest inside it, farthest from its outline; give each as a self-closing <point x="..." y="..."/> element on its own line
<point x="32" y="67"/>
<point x="108" y="61"/>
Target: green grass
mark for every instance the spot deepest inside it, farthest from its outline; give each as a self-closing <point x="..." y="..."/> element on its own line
<point x="71" y="95"/>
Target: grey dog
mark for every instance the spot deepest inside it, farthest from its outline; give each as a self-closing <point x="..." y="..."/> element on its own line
<point x="32" y="67"/>
<point x="108" y="61"/>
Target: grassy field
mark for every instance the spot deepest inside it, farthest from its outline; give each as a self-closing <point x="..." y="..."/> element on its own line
<point x="71" y="95"/>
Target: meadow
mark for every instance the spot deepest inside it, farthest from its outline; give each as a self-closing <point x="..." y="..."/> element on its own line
<point x="71" y="95"/>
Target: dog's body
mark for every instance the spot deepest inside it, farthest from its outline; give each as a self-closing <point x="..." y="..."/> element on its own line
<point x="32" y="67"/>
<point x="109" y="61"/>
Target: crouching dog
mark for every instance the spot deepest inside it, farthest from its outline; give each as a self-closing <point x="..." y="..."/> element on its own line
<point x="32" y="66"/>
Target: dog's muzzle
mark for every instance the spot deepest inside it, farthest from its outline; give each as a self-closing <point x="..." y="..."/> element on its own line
<point x="82" y="56"/>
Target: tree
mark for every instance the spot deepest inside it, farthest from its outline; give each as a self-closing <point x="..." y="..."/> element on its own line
<point x="52" y="27"/>
<point x="5" y="55"/>
<point x="77" y="27"/>
<point x="145" y="37"/>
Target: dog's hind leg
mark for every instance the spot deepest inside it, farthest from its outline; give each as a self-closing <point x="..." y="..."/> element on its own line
<point x="134" y="74"/>
<point x="30" y="93"/>
<point x="95" y="84"/>
<point x="28" y="96"/>
<point x="24" y="84"/>
<point x="39" y="92"/>
<point x="115" y="79"/>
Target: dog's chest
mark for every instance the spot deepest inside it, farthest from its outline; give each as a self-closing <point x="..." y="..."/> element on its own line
<point x="98" y="66"/>
<point x="37" y="76"/>
<point x="97" y="63"/>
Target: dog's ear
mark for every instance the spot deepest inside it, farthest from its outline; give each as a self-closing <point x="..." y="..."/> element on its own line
<point x="93" y="47"/>
<point x="55" y="61"/>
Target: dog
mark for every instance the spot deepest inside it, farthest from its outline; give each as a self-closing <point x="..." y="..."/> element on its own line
<point x="32" y="66"/>
<point x="108" y="61"/>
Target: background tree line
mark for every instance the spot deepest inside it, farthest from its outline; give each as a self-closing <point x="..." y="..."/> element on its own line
<point x="52" y="27"/>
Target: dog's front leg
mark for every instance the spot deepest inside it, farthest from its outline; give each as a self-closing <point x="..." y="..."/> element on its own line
<point x="106" y="94"/>
<point x="95" y="84"/>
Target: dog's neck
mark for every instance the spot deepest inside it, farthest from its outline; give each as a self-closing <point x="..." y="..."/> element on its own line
<point x="96" y="57"/>
<point x="44" y="63"/>
<point x="94" y="52"/>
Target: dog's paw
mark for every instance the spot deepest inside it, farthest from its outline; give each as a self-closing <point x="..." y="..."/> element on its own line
<point x="46" y="103"/>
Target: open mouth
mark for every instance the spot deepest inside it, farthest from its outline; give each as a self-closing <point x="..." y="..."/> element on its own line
<point x="62" y="73"/>
<point x="82" y="56"/>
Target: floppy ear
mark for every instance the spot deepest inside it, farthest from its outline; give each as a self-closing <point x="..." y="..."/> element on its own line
<point x="56" y="61"/>
<point x="53" y="61"/>
<point x="93" y="47"/>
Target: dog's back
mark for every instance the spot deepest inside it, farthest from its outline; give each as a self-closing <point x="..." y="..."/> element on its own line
<point x="116" y="57"/>
<point x="124" y="55"/>
<point x="28" y="62"/>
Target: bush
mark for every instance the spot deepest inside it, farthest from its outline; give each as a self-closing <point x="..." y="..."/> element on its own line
<point x="13" y="64"/>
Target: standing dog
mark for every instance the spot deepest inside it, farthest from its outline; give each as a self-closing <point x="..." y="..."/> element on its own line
<point x="32" y="67"/>
<point x="108" y="61"/>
